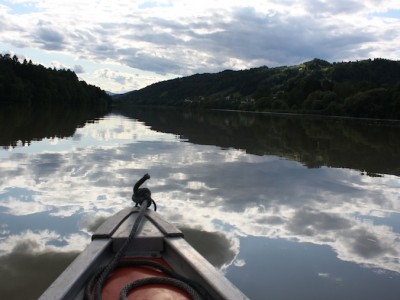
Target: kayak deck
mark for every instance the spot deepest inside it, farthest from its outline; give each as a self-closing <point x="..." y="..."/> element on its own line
<point x="156" y="240"/>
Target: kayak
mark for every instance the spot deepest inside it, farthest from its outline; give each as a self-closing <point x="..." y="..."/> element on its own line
<point x="136" y="254"/>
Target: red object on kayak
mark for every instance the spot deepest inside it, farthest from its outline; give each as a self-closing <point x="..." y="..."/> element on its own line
<point x="121" y="276"/>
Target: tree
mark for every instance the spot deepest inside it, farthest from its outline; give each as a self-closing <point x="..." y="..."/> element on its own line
<point x="29" y="84"/>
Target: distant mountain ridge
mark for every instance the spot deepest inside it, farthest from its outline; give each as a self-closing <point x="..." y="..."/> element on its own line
<point x="367" y="88"/>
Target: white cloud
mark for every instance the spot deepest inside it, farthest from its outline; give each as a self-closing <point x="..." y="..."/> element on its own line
<point x="42" y="241"/>
<point x="239" y="263"/>
<point x="116" y="76"/>
<point x="172" y="38"/>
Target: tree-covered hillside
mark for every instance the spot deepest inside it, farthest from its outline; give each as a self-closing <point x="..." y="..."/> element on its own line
<point x="368" y="88"/>
<point x="24" y="83"/>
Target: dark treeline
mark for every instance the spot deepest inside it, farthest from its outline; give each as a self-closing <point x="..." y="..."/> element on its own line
<point x="24" y="83"/>
<point x="38" y="102"/>
<point x="368" y="88"/>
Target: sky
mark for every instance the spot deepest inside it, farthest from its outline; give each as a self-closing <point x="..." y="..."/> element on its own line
<point x="124" y="45"/>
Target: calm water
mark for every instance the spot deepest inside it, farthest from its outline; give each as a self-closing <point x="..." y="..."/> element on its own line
<point x="287" y="207"/>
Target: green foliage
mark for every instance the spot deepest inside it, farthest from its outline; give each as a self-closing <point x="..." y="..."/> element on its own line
<point x="39" y="87"/>
<point x="374" y="103"/>
<point x="368" y="88"/>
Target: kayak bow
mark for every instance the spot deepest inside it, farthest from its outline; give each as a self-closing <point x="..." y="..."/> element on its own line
<point x="136" y="254"/>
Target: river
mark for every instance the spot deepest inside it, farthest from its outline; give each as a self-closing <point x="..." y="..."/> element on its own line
<point x="288" y="207"/>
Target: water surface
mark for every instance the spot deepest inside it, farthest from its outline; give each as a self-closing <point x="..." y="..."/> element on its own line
<point x="287" y="207"/>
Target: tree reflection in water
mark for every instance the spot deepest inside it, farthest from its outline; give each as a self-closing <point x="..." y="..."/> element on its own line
<point x="314" y="198"/>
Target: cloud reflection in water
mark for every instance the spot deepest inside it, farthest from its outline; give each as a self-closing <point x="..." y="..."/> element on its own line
<point x="240" y="195"/>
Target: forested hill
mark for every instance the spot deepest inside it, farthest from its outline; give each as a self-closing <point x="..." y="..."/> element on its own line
<point x="24" y="83"/>
<point x="368" y="88"/>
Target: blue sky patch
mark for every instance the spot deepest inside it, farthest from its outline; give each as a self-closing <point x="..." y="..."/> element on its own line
<point x="20" y="8"/>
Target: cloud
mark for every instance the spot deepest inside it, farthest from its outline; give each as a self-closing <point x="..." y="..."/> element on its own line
<point x="155" y="63"/>
<point x="124" y="80"/>
<point x="78" y="69"/>
<point x="118" y="77"/>
<point x="369" y="244"/>
<point x="183" y="37"/>
<point x="42" y="241"/>
<point x="307" y="221"/>
<point x="239" y="263"/>
<point x="49" y="38"/>
<point x="340" y="7"/>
